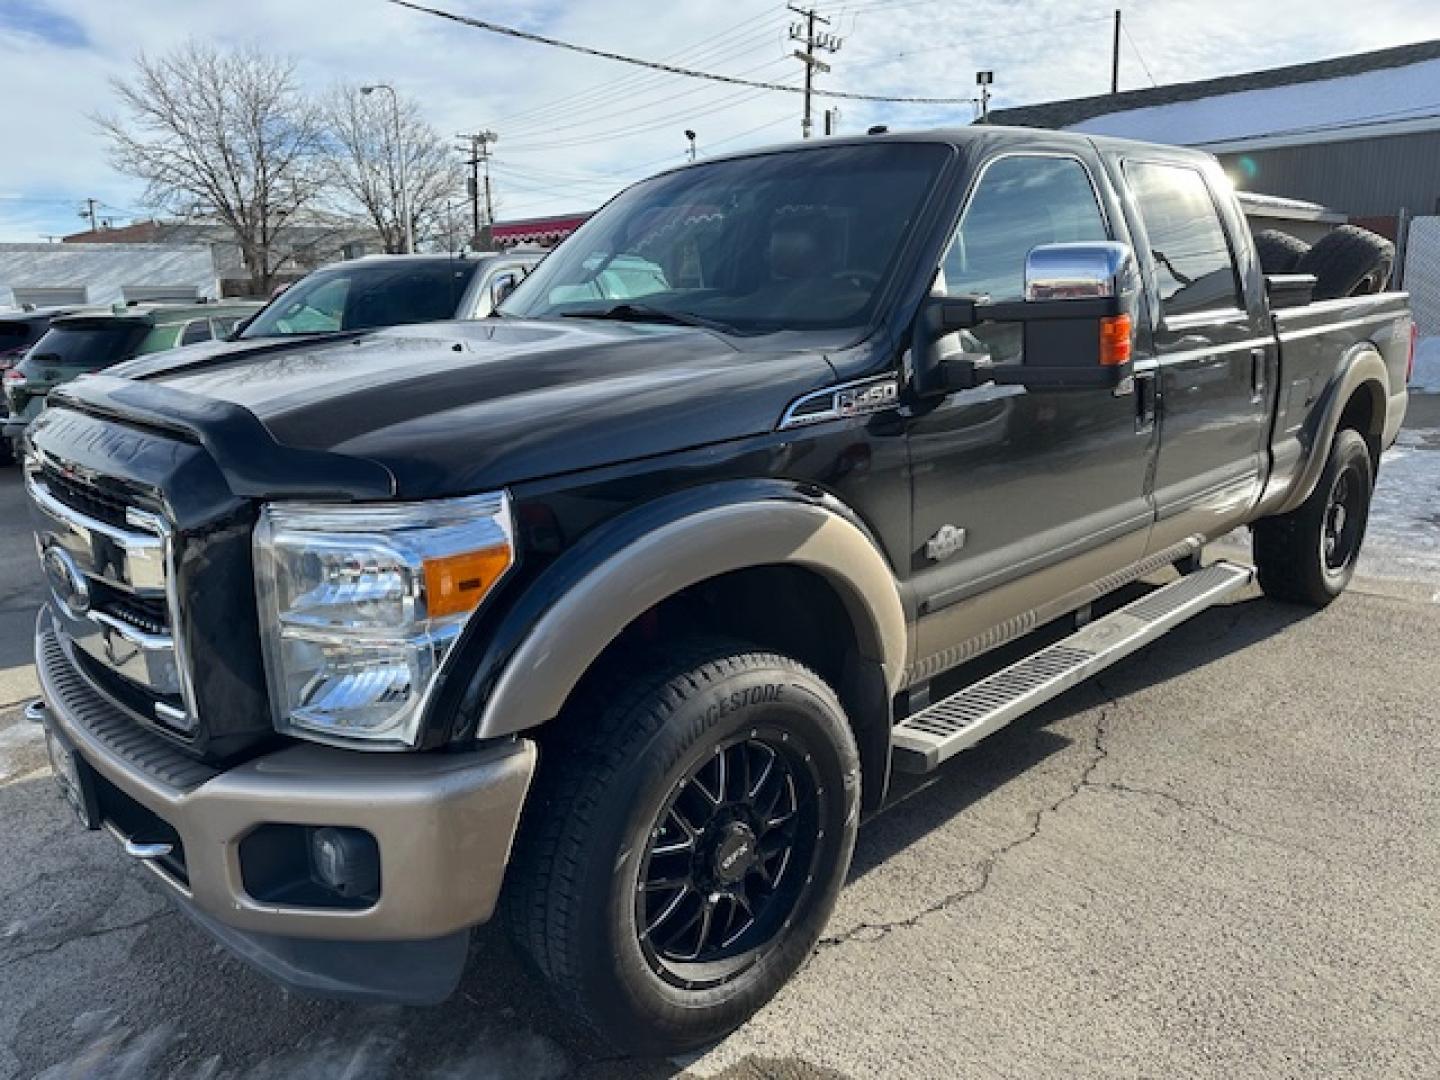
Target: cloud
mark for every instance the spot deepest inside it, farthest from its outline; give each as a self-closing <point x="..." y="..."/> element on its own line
<point x="35" y="20"/>
<point x="573" y="129"/>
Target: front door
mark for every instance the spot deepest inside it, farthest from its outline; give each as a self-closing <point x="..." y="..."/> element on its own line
<point x="1021" y="495"/>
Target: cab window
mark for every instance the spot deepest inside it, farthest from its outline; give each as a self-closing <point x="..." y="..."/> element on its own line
<point x="1194" y="268"/>
<point x="1020" y="203"/>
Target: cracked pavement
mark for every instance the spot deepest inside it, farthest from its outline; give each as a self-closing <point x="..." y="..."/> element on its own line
<point x="1217" y="860"/>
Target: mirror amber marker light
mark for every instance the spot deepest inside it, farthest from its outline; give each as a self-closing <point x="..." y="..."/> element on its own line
<point x="1115" y="340"/>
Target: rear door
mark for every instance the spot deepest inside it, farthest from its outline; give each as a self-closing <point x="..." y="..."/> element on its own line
<point x="1210" y="348"/>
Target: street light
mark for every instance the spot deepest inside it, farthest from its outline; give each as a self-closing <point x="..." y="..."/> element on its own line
<point x="399" y="153"/>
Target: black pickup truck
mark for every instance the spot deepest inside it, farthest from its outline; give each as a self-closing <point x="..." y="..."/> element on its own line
<point x="617" y="611"/>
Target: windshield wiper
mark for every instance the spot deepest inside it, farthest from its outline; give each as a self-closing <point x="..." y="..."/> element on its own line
<point x="628" y="312"/>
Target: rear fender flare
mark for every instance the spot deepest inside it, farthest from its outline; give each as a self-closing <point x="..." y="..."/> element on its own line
<point x="1361" y="365"/>
<point x="737" y="530"/>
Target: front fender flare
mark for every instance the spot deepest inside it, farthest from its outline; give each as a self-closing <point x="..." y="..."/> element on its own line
<point x="695" y="545"/>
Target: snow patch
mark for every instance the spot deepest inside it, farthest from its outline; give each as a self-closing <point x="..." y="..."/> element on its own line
<point x="1426" y="378"/>
<point x="21" y="749"/>
<point x="1389" y="94"/>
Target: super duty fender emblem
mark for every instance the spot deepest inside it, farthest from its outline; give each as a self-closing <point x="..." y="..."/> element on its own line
<point x="842" y="402"/>
<point x="947" y="540"/>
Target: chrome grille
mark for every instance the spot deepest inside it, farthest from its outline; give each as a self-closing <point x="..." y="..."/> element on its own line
<point x="110" y="570"/>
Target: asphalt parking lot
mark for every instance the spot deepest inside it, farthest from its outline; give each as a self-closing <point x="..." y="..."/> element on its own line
<point x="1216" y="861"/>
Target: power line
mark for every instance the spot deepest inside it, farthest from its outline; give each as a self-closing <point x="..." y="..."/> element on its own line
<point x="667" y="103"/>
<point x="866" y="62"/>
<point x="595" y="96"/>
<point x="1139" y="55"/>
<point x="605" y="54"/>
<point x="643" y="169"/>
<point x="720" y="105"/>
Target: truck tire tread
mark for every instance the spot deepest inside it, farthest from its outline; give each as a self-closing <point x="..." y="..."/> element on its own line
<point x="1286" y="547"/>
<point x="1279" y="252"/>
<point x="1348" y="261"/>
<point x="544" y="897"/>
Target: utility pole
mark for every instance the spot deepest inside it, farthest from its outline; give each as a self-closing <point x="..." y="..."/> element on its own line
<point x="814" y="42"/>
<point x="832" y="121"/>
<point x="1115" y="57"/>
<point x="479" y="150"/>
<point x="690" y="134"/>
<point x="89" y="213"/>
<point x="984" y="80"/>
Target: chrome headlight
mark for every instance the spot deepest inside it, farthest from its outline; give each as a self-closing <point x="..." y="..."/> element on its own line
<point x="359" y="605"/>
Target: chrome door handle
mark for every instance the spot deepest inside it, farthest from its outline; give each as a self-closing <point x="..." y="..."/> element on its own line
<point x="1257" y="374"/>
<point x="1145" y="400"/>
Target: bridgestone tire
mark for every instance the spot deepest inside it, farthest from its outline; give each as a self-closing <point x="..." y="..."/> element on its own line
<point x="575" y="894"/>
<point x="1291" y="549"/>
<point x="1348" y="261"/>
<point x="1279" y="251"/>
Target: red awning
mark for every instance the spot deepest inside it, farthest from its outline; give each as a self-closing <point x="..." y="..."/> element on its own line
<point x="549" y="230"/>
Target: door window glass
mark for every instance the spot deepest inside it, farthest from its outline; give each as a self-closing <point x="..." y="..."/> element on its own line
<point x="1020" y="203"/>
<point x="1194" y="268"/>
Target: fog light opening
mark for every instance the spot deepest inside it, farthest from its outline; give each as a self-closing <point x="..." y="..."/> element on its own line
<point x="346" y="861"/>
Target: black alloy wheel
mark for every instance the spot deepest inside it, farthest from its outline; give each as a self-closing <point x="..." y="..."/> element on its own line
<point x="1344" y="522"/>
<point x="728" y="859"/>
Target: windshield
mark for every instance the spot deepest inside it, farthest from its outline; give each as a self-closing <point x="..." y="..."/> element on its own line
<point x="365" y="294"/>
<point x="799" y="240"/>
<point x="89" y="346"/>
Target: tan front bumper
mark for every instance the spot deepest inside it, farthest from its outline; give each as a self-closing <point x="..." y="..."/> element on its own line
<point x="443" y="823"/>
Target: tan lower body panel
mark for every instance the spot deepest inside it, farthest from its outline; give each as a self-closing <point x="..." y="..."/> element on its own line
<point x="443" y="823"/>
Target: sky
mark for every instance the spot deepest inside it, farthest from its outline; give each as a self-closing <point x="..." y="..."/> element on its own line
<point x="573" y="130"/>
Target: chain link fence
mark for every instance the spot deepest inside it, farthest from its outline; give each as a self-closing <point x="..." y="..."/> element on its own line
<point x="1422" y="280"/>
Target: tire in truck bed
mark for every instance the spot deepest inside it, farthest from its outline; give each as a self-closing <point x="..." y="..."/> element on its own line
<point x="1348" y="261"/>
<point x="1279" y="252"/>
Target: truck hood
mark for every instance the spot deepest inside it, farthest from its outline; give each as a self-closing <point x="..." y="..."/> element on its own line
<point x="458" y="407"/>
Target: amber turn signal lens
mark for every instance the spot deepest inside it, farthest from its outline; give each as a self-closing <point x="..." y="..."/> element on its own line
<point x="457" y="583"/>
<point x="1115" y="340"/>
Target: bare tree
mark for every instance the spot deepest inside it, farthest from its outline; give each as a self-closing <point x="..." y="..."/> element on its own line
<point x="229" y="130"/>
<point x="367" y="164"/>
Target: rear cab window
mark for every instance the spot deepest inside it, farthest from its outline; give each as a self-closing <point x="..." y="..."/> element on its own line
<point x="84" y="345"/>
<point x="17" y="335"/>
<point x="1191" y="256"/>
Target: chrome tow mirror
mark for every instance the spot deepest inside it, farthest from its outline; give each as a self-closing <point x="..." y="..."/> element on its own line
<point x="1088" y="271"/>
